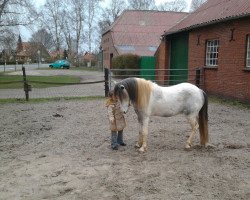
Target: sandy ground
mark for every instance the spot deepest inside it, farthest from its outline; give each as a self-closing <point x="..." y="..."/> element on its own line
<point x="61" y="150"/>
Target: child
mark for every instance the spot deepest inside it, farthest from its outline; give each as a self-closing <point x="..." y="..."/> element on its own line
<point x="116" y="121"/>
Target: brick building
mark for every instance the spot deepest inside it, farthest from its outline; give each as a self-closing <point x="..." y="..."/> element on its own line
<point x="215" y="37"/>
<point x="137" y="32"/>
<point x="31" y="51"/>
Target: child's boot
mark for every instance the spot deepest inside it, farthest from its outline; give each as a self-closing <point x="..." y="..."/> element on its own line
<point x="120" y="138"/>
<point x="114" y="144"/>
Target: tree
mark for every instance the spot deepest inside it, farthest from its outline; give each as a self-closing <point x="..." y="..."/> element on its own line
<point x="53" y="9"/>
<point x="92" y="7"/>
<point x="196" y="4"/>
<point x="16" y="12"/>
<point x="42" y="36"/>
<point x="110" y="14"/>
<point x="142" y="4"/>
<point x="112" y="11"/>
<point x="177" y="6"/>
<point x="76" y="18"/>
<point x="66" y="30"/>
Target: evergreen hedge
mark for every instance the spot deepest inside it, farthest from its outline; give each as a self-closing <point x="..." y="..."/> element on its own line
<point x="126" y="61"/>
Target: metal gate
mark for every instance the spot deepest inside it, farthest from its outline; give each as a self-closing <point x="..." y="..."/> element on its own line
<point x="192" y="76"/>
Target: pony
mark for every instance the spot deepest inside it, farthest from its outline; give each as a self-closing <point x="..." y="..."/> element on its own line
<point x="150" y="99"/>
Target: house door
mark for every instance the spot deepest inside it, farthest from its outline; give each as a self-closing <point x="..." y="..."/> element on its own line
<point x="179" y="59"/>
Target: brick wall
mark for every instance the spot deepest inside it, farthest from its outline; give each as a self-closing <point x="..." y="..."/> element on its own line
<point x="231" y="78"/>
<point x="108" y="49"/>
<point x="162" y="62"/>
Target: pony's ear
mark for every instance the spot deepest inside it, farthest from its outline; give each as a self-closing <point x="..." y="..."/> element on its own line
<point x="122" y="87"/>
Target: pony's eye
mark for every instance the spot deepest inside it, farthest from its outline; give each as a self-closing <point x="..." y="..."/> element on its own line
<point x="122" y="87"/>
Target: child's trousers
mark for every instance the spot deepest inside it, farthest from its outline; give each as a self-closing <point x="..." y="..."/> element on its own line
<point x="116" y="138"/>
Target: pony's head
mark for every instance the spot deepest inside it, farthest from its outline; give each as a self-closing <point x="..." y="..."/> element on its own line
<point x="122" y="96"/>
<point x="125" y="92"/>
<point x="136" y="90"/>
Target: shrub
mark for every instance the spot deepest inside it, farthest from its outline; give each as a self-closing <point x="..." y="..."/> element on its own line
<point x="126" y="61"/>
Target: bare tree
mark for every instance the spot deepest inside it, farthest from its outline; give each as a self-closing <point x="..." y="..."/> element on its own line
<point x="196" y="4"/>
<point x="175" y="5"/>
<point x="66" y="30"/>
<point x="77" y="20"/>
<point x="93" y="6"/>
<point x="16" y="12"/>
<point x="51" y="13"/>
<point x="142" y="4"/>
<point x="8" y="39"/>
<point x="43" y="37"/>
<point x="110" y="14"/>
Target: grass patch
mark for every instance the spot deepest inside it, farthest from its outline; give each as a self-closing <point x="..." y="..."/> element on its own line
<point x="85" y="69"/>
<point x="229" y="102"/>
<point x="74" y="69"/>
<point x="54" y="99"/>
<point x="11" y="81"/>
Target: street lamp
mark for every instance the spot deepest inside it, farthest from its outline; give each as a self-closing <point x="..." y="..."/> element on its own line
<point x="38" y="54"/>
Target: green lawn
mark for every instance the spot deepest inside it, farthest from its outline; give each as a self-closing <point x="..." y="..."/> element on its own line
<point x="11" y="82"/>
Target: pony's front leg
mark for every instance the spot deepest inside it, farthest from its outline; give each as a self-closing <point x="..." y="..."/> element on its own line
<point x="140" y="121"/>
<point x="143" y="135"/>
<point x="139" y="143"/>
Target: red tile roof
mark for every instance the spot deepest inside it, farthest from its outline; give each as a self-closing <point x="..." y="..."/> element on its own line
<point x="139" y="31"/>
<point x="213" y="11"/>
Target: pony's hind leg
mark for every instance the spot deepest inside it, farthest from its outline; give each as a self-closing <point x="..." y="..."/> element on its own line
<point x="194" y="124"/>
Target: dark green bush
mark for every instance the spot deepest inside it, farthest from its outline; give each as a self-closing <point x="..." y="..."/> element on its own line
<point x="126" y="62"/>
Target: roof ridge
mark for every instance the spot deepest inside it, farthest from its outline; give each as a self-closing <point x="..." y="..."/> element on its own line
<point x="214" y="5"/>
<point x="162" y="11"/>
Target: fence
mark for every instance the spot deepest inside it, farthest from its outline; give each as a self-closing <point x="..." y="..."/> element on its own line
<point x="94" y="83"/>
<point x="98" y="83"/>
<point x="163" y="77"/>
<point x="91" y="84"/>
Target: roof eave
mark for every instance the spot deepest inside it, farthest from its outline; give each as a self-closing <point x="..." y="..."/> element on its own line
<point x="206" y="24"/>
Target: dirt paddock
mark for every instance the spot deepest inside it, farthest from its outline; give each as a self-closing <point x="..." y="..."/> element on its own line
<point x="60" y="150"/>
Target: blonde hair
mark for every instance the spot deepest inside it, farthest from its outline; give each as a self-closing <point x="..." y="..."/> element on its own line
<point x="111" y="98"/>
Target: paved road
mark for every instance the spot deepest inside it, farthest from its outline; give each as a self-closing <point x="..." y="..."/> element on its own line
<point x="96" y="89"/>
<point x="9" y="68"/>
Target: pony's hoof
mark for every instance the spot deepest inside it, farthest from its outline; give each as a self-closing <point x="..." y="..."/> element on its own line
<point x="137" y="145"/>
<point x="188" y="146"/>
<point x="142" y="149"/>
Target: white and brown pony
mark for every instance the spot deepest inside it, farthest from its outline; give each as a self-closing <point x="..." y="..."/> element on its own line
<point x="150" y="99"/>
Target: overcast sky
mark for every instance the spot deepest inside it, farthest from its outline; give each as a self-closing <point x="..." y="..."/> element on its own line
<point x="41" y="2"/>
<point x="157" y="2"/>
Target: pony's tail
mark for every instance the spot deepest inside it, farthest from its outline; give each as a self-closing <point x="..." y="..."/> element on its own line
<point x="203" y="121"/>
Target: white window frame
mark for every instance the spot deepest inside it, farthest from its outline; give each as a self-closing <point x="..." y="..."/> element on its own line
<point x="248" y="52"/>
<point x="212" y="52"/>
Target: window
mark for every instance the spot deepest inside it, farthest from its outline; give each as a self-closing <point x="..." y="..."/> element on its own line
<point x="248" y="52"/>
<point x="212" y="53"/>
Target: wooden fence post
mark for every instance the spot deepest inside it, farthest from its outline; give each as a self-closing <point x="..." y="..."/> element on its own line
<point x="106" y="83"/>
<point x="26" y="86"/>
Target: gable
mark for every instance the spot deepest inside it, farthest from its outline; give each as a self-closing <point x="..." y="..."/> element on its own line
<point x="139" y="32"/>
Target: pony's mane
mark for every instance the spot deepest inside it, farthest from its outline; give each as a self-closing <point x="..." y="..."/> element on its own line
<point x="138" y="89"/>
<point x="143" y="92"/>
